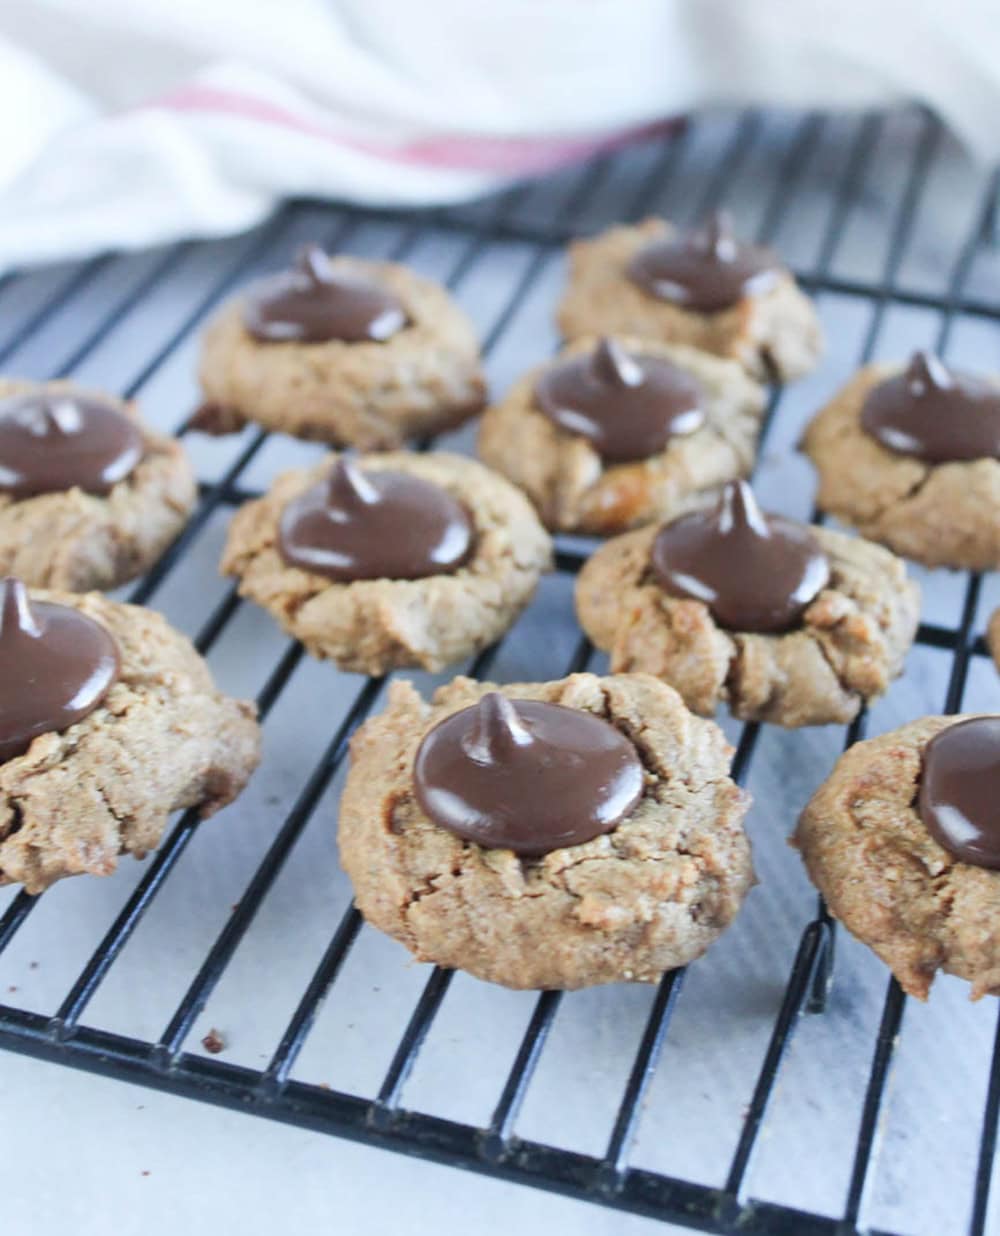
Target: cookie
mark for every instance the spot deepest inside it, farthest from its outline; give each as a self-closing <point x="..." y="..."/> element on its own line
<point x="725" y="618"/>
<point x="90" y="496"/>
<point x="702" y="288"/>
<point x="878" y="843"/>
<point x="110" y="723"/>
<point x="650" y="892"/>
<point x="436" y="565"/>
<point x="576" y="488"/>
<point x="910" y="456"/>
<point x="993" y="637"/>
<point x="341" y="350"/>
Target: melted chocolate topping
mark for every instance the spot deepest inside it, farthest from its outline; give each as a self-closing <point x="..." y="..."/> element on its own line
<point x="56" y="666"/>
<point x="934" y="414"/>
<point x="52" y="442"/>
<point x="755" y="572"/>
<point x="706" y="270"/>
<point x="315" y="302"/>
<point x="526" y="776"/>
<point x="959" y="799"/>
<point x="627" y="407"/>
<point x="375" y="525"/>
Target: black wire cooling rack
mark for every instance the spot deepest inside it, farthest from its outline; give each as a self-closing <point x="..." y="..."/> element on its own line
<point x="882" y="172"/>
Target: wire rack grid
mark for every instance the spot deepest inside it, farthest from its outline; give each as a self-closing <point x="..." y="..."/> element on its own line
<point x="710" y="1101"/>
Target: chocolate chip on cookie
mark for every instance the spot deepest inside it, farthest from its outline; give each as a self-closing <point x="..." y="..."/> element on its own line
<point x="390" y="560"/>
<point x="783" y="622"/>
<point x="90" y="497"/>
<point x="703" y="287"/>
<point x="341" y="350"/>
<point x="617" y="432"/>
<point x="553" y="835"/>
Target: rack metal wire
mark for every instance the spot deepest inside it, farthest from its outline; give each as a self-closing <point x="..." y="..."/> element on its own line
<point x="381" y="1118"/>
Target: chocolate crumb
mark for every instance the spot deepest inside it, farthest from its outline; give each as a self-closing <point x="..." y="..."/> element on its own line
<point x="145" y="1173"/>
<point x="213" y="1042"/>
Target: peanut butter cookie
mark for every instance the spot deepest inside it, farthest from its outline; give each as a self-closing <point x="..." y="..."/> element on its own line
<point x="903" y="841"/>
<point x="393" y="560"/>
<point x="341" y="350"/>
<point x="910" y="456"/>
<point x="90" y="497"/>
<point x="546" y="835"/>
<point x="686" y="425"/>
<point x="110" y="722"/>
<point x="783" y="623"/>
<point x="702" y="288"/>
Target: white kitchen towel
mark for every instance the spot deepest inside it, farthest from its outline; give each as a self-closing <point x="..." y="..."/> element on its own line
<point x="126" y="123"/>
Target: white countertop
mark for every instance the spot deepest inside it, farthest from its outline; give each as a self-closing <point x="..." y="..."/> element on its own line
<point x="85" y="1156"/>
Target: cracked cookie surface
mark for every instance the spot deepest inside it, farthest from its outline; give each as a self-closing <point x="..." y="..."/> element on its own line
<point x="888" y="880"/>
<point x="945" y="514"/>
<point x="163" y="738"/>
<point x="775" y="330"/>
<point x="849" y="647"/>
<point x="574" y="490"/>
<point x="649" y="896"/>
<point x="371" y="395"/>
<point x="374" y="625"/>
<point x="78" y="541"/>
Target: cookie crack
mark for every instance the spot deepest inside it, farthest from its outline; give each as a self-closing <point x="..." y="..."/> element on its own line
<point x="902" y="499"/>
<point x="121" y="822"/>
<point x="17" y="819"/>
<point x="824" y="652"/>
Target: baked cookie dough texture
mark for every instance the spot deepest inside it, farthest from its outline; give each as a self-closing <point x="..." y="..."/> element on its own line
<point x="849" y="647"/>
<point x="372" y="395"/>
<point x="574" y="490"/>
<point x="375" y="625"/>
<point x="78" y="541"/>
<point x="776" y="330"/>
<point x="993" y="637"/>
<point x="650" y="895"/>
<point x="888" y="880"/>
<point x="945" y="514"/>
<point x="162" y="739"/>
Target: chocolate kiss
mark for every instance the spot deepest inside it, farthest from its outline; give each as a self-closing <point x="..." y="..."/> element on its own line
<point x="957" y="800"/>
<point x="526" y="776"/>
<point x="315" y="302"/>
<point x="627" y="407"/>
<point x="59" y="416"/>
<point x="315" y="264"/>
<point x="53" y="442"/>
<point x="705" y="270"/>
<point x="498" y="731"/>
<point x="17" y="618"/>
<point x="740" y="509"/>
<point x="353" y="525"/>
<point x="348" y="488"/>
<point x="931" y="413"/>
<point x="612" y="365"/>
<point x="755" y="572"/>
<point x="56" y="666"/>
<point x="927" y="372"/>
<point x="715" y="237"/>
